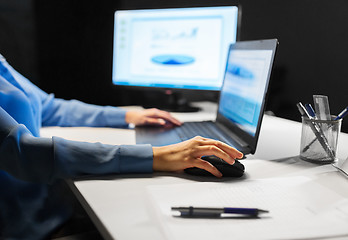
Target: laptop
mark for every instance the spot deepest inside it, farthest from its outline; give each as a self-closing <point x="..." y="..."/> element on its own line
<point x="241" y="103"/>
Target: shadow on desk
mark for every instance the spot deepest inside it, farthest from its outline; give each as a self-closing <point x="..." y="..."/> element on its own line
<point x="270" y="170"/>
<point x="180" y="174"/>
<point x="254" y="169"/>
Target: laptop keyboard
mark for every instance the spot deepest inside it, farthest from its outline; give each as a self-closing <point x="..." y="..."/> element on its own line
<point x="191" y="129"/>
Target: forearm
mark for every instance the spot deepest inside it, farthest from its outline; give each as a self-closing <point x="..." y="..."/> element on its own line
<point x="43" y="159"/>
<point x="79" y="158"/>
<point x="59" y="112"/>
<point x="26" y="157"/>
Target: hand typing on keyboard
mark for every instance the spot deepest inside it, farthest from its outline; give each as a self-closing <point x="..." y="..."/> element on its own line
<point x="153" y="117"/>
<point x="188" y="154"/>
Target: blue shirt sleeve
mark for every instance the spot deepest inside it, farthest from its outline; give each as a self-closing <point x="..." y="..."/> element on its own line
<point x="32" y="208"/>
<point x="44" y="160"/>
<point x="71" y="113"/>
<point x="66" y="113"/>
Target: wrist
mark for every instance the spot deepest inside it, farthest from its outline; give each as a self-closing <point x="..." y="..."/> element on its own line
<point x="158" y="152"/>
<point x="128" y="117"/>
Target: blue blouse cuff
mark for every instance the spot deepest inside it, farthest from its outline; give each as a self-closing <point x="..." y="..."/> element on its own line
<point x="115" y="117"/>
<point x="136" y="158"/>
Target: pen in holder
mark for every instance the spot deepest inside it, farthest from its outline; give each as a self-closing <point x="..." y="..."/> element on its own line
<point x="319" y="139"/>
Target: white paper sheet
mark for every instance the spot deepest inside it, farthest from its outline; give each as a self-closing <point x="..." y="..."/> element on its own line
<point x="296" y="204"/>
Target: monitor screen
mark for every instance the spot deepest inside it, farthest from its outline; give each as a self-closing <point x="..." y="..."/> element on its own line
<point x="183" y="48"/>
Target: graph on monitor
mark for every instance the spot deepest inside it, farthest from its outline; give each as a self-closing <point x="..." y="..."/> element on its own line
<point x="176" y="48"/>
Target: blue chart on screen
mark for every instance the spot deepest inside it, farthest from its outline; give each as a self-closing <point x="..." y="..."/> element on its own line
<point x="169" y="59"/>
<point x="240" y="71"/>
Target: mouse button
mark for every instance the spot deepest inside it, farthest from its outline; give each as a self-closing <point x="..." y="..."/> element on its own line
<point x="239" y="165"/>
<point x="230" y="171"/>
<point x="212" y="159"/>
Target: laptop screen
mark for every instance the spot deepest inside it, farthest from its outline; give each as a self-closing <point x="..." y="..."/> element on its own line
<point x="242" y="100"/>
<point x="245" y="85"/>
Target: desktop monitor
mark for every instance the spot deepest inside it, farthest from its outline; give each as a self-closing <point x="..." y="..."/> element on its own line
<point x="173" y="48"/>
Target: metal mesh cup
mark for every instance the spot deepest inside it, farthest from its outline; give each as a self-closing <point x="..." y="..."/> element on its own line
<point x="319" y="139"/>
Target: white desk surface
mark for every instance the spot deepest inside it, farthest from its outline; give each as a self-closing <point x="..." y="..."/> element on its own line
<point x="120" y="206"/>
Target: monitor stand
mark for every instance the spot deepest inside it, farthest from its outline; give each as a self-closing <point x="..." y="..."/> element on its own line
<point x="170" y="101"/>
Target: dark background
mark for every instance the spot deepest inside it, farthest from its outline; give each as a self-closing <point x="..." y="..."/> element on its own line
<point x="65" y="47"/>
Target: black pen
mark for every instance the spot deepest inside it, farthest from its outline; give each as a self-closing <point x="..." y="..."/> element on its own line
<point x="216" y="212"/>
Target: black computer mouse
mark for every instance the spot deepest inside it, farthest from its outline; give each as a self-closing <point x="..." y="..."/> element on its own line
<point x="227" y="170"/>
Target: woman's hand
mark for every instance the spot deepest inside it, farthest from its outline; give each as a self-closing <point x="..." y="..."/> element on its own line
<point x="151" y="116"/>
<point x="188" y="154"/>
